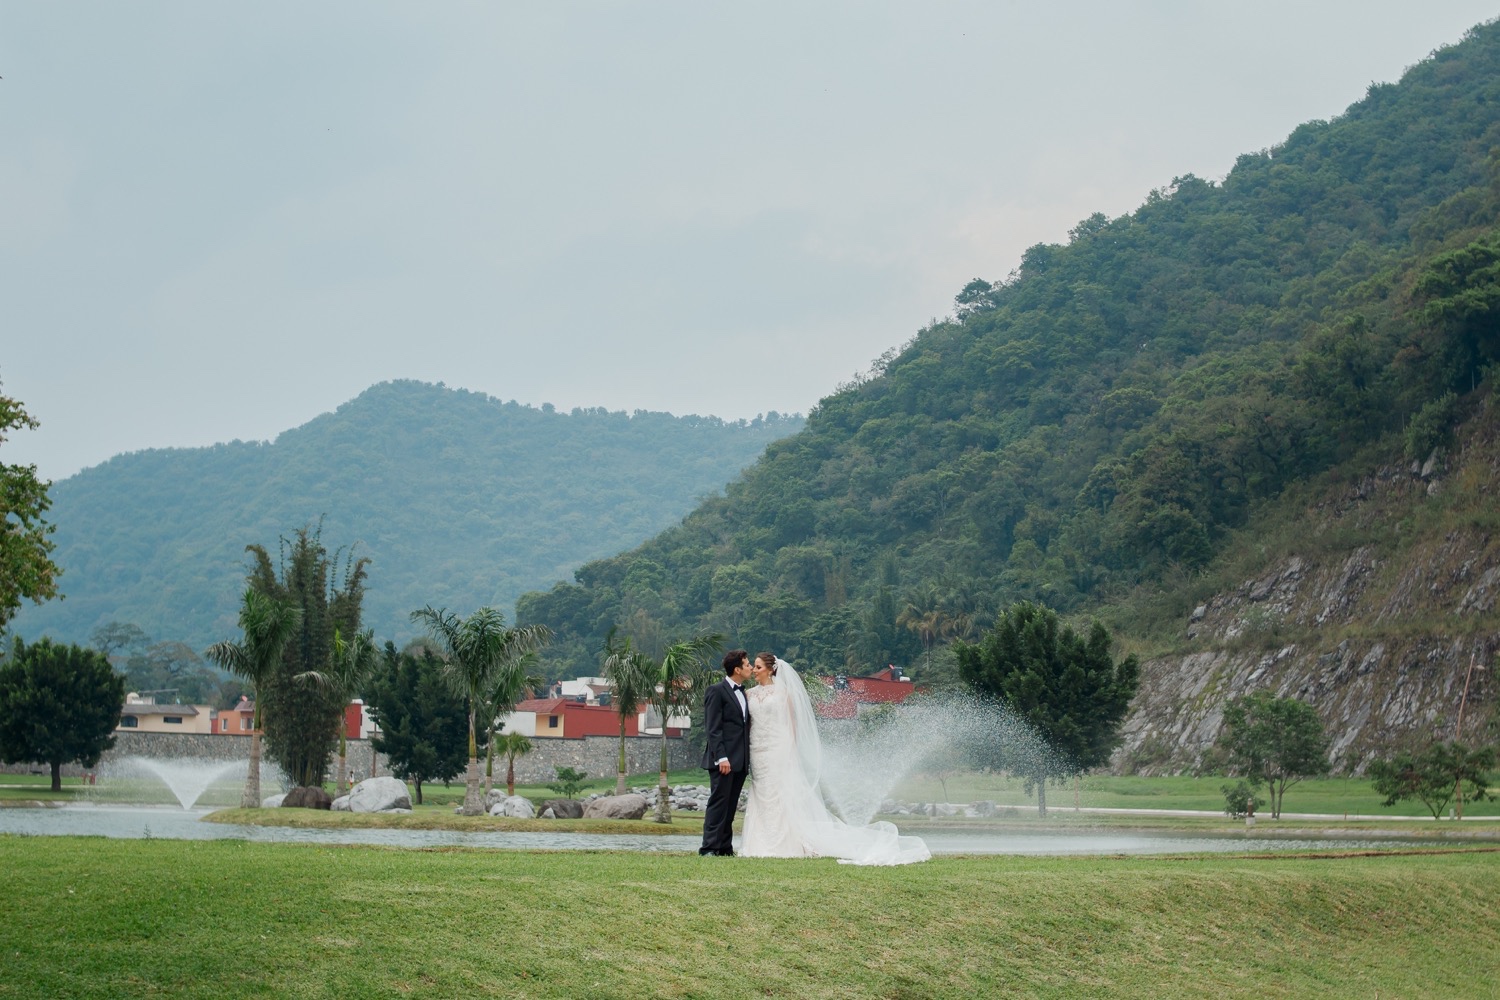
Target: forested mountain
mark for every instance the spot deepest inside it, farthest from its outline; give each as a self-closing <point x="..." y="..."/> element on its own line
<point x="1103" y="421"/>
<point x="456" y="498"/>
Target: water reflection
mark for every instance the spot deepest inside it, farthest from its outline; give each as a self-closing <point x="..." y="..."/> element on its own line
<point x="177" y="824"/>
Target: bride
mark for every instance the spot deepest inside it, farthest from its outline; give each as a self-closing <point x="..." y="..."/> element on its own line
<point x="785" y="816"/>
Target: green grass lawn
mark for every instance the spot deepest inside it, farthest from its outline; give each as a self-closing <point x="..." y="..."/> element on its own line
<point x="90" y="917"/>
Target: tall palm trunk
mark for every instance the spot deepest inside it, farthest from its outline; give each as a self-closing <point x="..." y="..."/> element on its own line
<point x="489" y="766"/>
<point x="510" y="775"/>
<point x="473" y="804"/>
<point x="620" y="776"/>
<point x="663" y="794"/>
<point x="342" y="786"/>
<point x="251" y="798"/>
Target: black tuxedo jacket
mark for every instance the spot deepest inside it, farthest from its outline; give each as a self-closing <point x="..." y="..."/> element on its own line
<point x="728" y="731"/>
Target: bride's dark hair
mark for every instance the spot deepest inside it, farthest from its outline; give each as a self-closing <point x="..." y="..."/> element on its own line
<point x="770" y="661"/>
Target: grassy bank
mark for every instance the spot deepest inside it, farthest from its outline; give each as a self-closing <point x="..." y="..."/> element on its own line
<point x="683" y="823"/>
<point x="102" y="918"/>
<point x="1021" y="821"/>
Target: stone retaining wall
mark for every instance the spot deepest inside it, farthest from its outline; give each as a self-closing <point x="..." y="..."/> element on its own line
<point x="596" y="756"/>
<point x="599" y="756"/>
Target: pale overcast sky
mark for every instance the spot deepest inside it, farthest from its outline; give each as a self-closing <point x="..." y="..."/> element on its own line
<point x="218" y="221"/>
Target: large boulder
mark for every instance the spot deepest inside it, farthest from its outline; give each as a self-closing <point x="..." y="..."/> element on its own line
<point x="340" y="804"/>
<point x="307" y="797"/>
<point x="616" y="807"/>
<point x="515" y="806"/>
<point x="563" y="809"/>
<point x="380" y="794"/>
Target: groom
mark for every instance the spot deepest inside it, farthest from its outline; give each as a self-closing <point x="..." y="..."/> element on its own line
<point x="726" y="721"/>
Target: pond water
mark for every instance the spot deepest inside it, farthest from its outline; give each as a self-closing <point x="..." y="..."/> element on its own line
<point x="141" y="822"/>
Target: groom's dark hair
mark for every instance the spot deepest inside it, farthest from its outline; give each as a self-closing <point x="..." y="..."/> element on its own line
<point x="733" y="659"/>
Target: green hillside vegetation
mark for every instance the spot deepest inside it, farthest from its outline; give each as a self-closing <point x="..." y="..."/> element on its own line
<point x="1100" y="424"/>
<point x="456" y="498"/>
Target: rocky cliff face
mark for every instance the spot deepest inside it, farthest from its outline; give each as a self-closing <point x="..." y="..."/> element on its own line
<point x="1373" y="613"/>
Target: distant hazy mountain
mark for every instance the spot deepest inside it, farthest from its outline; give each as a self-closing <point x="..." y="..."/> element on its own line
<point x="457" y="498"/>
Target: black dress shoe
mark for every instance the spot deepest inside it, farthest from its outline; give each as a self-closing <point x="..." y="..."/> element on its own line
<point x="725" y="854"/>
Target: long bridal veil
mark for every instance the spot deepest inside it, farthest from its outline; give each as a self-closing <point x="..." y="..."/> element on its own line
<point x="878" y="843"/>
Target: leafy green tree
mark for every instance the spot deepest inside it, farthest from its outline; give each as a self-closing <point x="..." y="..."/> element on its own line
<point x="631" y="681"/>
<point x="1239" y="798"/>
<point x="1275" y="741"/>
<point x="423" y="724"/>
<point x="569" y="782"/>
<point x="267" y="626"/>
<point x="677" y="682"/>
<point x="26" y="568"/>
<point x="57" y="704"/>
<point x="510" y="746"/>
<point x="478" y="650"/>
<point x="1435" y="775"/>
<point x="304" y="717"/>
<point x="1067" y="688"/>
<point x="1460" y="292"/>
<point x="975" y="297"/>
<point x="119" y="637"/>
<point x="175" y="669"/>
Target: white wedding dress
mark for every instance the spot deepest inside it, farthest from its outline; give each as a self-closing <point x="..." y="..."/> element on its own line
<point x="785" y="816"/>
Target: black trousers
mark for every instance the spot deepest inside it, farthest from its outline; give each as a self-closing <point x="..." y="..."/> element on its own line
<point x="718" y="819"/>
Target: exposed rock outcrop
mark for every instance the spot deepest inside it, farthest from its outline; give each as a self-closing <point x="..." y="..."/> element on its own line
<point x="1377" y="633"/>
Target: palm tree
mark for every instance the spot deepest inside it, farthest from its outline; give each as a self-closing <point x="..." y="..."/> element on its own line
<point x="512" y="683"/>
<point x="924" y="615"/>
<point x="477" y="649"/>
<point x="676" y="682"/>
<point x="631" y="682"/>
<point x="267" y="624"/>
<point x="350" y="669"/>
<point x="511" y="746"/>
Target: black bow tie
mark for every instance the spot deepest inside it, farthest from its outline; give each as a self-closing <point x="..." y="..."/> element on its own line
<point x="736" y="687"/>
